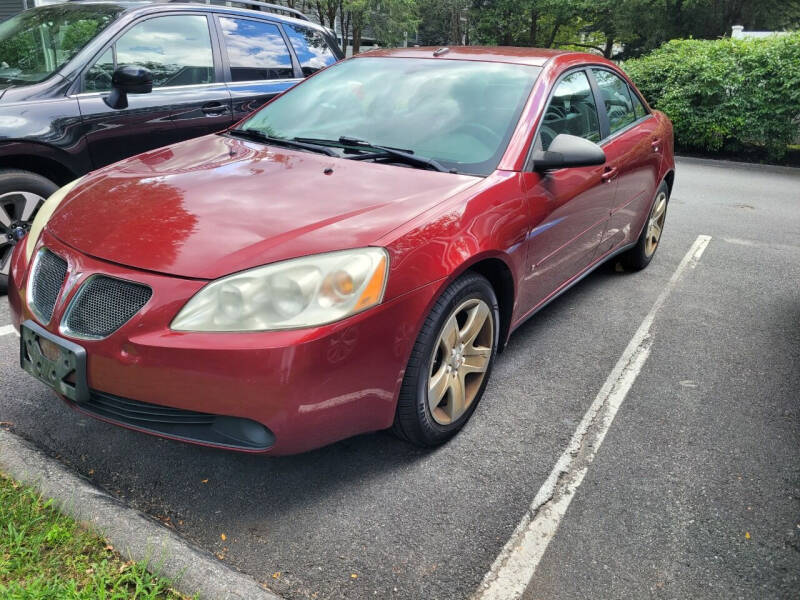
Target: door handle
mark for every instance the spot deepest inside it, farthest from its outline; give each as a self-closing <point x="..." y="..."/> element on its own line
<point x="656" y="144"/>
<point x="610" y="174"/>
<point x="214" y="108"/>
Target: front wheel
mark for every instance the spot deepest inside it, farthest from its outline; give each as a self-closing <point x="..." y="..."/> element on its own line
<point x="21" y="195"/>
<point x="638" y="257"/>
<point x="450" y="363"/>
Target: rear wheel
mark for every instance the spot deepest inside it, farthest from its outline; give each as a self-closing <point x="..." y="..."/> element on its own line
<point x="638" y="257"/>
<point x="21" y="195"/>
<point x="450" y="363"/>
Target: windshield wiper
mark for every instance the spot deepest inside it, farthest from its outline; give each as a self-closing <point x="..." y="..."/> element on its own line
<point x="406" y="156"/>
<point x="255" y="135"/>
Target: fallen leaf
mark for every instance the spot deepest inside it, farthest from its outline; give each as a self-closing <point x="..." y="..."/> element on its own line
<point x="204" y="481"/>
<point x="747" y="535"/>
<point x="91" y="471"/>
<point x="223" y="536"/>
<point x="276" y="574"/>
<point x="109" y="547"/>
<point x="353" y="576"/>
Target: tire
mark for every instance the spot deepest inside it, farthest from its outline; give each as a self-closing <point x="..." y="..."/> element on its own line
<point x="21" y="195"/>
<point x="638" y="257"/>
<point x="457" y="312"/>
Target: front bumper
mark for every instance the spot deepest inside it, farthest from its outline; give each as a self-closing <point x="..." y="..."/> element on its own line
<point x="308" y="387"/>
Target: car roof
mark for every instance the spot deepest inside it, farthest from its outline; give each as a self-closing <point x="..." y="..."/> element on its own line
<point x="536" y="57"/>
<point x="166" y="6"/>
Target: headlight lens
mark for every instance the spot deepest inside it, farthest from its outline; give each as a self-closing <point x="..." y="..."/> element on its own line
<point x="46" y="211"/>
<point x="302" y="292"/>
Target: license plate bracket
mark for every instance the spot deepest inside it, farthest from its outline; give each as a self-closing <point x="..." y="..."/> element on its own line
<point x="62" y="366"/>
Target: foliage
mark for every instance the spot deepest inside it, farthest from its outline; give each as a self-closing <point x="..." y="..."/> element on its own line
<point x="443" y="22"/>
<point x="45" y="555"/>
<point x="605" y="25"/>
<point x="726" y="94"/>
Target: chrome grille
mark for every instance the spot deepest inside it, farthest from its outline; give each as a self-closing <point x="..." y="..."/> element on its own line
<point x="103" y="305"/>
<point x="46" y="281"/>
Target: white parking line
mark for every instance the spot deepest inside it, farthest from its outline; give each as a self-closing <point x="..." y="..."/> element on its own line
<point x="7" y="330"/>
<point x="516" y="564"/>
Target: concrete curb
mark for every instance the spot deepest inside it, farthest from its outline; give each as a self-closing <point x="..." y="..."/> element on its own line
<point x="193" y="570"/>
<point x="711" y="162"/>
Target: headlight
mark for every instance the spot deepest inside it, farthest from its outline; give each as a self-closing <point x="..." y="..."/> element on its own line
<point x="302" y="292"/>
<point x="46" y="211"/>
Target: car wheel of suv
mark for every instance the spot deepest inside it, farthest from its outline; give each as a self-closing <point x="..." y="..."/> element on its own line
<point x="21" y="195"/>
<point x="450" y="363"/>
<point x="638" y="257"/>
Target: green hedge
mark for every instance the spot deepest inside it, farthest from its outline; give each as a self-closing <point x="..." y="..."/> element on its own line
<point x="726" y="95"/>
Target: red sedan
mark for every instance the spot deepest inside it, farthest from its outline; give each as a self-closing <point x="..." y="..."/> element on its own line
<point x="349" y="258"/>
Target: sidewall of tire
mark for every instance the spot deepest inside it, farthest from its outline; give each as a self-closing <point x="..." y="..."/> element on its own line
<point x="24" y="181"/>
<point x="636" y="258"/>
<point x="470" y="285"/>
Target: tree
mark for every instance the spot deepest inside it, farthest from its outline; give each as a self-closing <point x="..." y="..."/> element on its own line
<point x="638" y="25"/>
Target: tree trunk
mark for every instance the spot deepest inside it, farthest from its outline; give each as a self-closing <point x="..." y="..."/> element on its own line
<point x="356" y="38"/>
<point x="341" y="26"/>
<point x="534" y="28"/>
<point x="320" y="12"/>
<point x="609" y="47"/>
<point x="332" y="9"/>
<point x="506" y="30"/>
<point x="551" y="40"/>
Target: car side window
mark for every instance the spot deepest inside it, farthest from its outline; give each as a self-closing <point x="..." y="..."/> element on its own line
<point x="638" y="108"/>
<point x="310" y="47"/>
<point x="572" y="110"/>
<point x="176" y="49"/>
<point x="617" y="98"/>
<point x="98" y="77"/>
<point x="256" y="50"/>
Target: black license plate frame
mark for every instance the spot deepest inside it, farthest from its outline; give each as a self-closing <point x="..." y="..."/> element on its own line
<point x="54" y="372"/>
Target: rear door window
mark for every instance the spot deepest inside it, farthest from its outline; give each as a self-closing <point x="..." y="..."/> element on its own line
<point x="617" y="98"/>
<point x="256" y="50"/>
<point x="310" y="47"/>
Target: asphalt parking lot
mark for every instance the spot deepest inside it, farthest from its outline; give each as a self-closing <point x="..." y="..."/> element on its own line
<point x="695" y="491"/>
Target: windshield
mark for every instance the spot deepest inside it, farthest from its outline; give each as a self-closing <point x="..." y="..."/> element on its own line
<point x="459" y="113"/>
<point x="36" y="43"/>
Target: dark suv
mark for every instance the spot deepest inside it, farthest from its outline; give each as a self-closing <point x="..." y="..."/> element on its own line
<point x="84" y="84"/>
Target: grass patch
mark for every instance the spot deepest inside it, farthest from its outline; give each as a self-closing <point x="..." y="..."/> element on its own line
<point x="44" y="554"/>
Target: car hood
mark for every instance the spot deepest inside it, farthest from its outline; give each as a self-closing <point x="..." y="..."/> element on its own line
<point x="216" y="205"/>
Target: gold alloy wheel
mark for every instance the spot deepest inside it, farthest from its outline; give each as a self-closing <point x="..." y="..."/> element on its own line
<point x="460" y="359"/>
<point x="655" y="224"/>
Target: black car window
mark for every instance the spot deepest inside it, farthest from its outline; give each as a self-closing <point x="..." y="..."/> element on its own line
<point x="256" y="50"/>
<point x="98" y="77"/>
<point x="617" y="98"/>
<point x="638" y="108"/>
<point x="176" y="48"/>
<point x="310" y="47"/>
<point x="572" y="110"/>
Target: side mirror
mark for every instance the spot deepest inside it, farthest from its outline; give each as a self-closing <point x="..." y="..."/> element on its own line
<point x="568" y="151"/>
<point x="131" y="79"/>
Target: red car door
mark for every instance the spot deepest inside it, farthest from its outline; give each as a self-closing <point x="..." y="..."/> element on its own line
<point x="569" y="207"/>
<point x="633" y="152"/>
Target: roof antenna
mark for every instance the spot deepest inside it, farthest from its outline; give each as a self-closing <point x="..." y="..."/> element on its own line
<point x="441" y="51"/>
